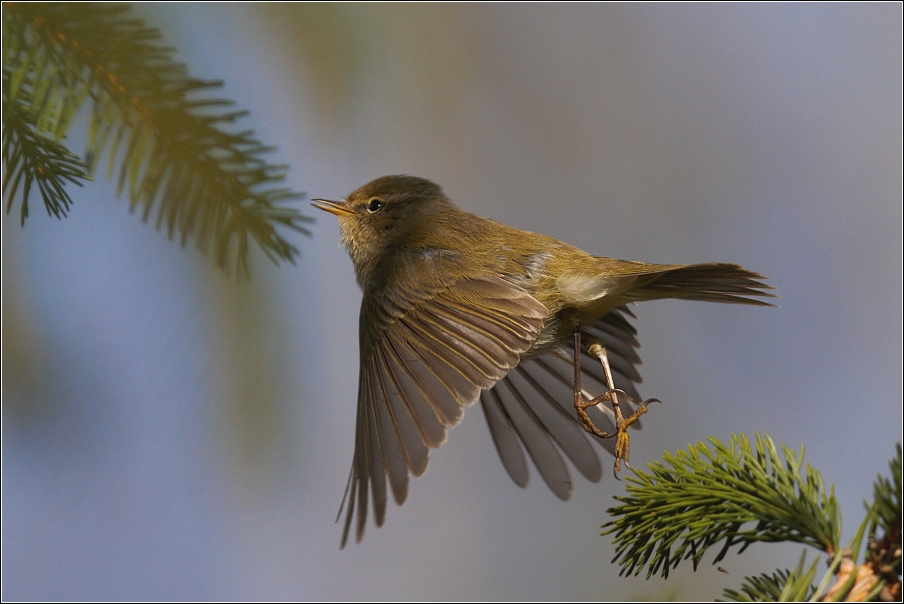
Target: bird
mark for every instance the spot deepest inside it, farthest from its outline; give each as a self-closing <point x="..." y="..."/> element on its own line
<point x="458" y="308"/>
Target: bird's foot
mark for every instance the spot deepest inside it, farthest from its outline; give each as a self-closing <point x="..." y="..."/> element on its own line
<point x="622" y="438"/>
<point x="622" y="441"/>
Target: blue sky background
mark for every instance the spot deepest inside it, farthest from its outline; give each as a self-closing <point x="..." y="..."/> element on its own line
<point x="169" y="436"/>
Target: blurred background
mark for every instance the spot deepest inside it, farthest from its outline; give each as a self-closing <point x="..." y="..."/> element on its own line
<point x="169" y="435"/>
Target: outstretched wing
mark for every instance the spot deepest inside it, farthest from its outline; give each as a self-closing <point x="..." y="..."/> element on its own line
<point x="422" y="361"/>
<point x="532" y="410"/>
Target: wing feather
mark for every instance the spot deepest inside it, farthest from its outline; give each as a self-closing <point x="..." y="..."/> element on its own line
<point x="395" y="457"/>
<point x="563" y="428"/>
<point x="409" y="433"/>
<point x="422" y="360"/>
<point x="535" y="437"/>
<point x="432" y="388"/>
<point x="508" y="445"/>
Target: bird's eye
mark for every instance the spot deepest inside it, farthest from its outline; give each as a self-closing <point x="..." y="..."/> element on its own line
<point x="374" y="206"/>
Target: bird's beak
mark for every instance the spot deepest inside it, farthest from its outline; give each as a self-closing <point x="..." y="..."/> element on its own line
<point x="333" y="207"/>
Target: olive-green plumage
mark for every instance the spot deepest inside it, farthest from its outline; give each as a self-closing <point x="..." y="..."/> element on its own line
<point x="454" y="302"/>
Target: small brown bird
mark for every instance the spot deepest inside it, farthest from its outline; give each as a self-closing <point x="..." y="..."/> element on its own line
<point x="458" y="308"/>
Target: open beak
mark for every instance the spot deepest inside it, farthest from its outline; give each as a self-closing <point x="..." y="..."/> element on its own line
<point x="333" y="207"/>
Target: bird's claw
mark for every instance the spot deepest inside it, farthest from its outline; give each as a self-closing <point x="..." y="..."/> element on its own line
<point x="623" y="440"/>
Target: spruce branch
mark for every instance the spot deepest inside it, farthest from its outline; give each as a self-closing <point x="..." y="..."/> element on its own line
<point x="887" y="501"/>
<point x="158" y="129"/>
<point x="705" y="495"/>
<point x="32" y="159"/>
<point x="883" y="555"/>
<point x="781" y="586"/>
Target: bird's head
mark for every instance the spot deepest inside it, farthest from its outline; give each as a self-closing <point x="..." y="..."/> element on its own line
<point x="386" y="215"/>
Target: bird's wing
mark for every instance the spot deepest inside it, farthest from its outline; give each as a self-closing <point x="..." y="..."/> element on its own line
<point x="422" y="360"/>
<point x="532" y="407"/>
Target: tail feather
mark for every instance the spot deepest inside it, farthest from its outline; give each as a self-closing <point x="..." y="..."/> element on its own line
<point x="712" y="282"/>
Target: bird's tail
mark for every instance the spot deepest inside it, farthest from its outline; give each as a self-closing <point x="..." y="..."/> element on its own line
<point x="711" y="282"/>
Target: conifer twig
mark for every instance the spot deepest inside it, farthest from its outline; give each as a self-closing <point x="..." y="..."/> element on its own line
<point x="152" y="121"/>
<point x="704" y="495"/>
<point x="739" y="494"/>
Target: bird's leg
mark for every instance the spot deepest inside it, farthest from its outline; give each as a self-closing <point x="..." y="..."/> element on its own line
<point x="580" y="405"/>
<point x="623" y="441"/>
